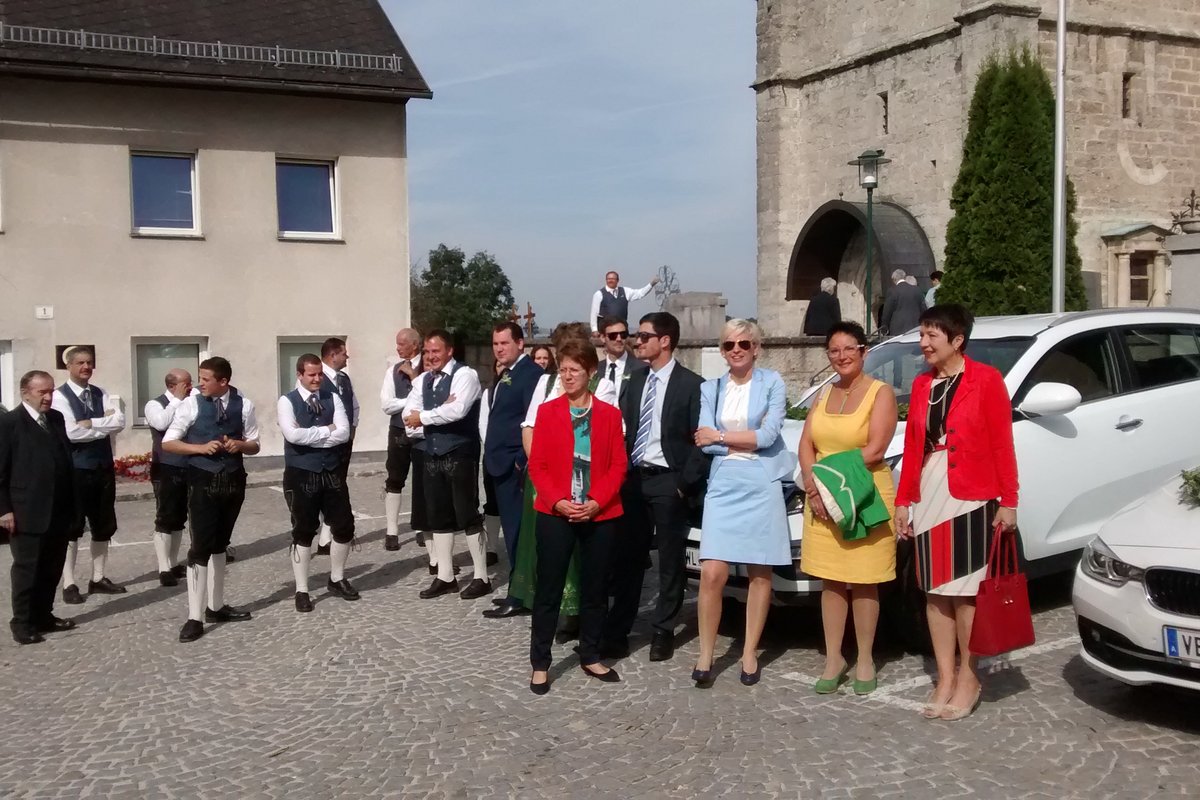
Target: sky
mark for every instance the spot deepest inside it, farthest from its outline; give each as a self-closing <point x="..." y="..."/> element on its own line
<point x="569" y="138"/>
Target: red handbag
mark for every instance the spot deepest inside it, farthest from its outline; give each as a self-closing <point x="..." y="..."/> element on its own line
<point x="1003" y="621"/>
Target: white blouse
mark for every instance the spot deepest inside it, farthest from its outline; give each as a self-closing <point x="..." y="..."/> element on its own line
<point x="606" y="392"/>
<point x="735" y="413"/>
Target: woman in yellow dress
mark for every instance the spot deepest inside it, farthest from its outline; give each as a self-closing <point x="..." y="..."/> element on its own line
<point x="856" y="412"/>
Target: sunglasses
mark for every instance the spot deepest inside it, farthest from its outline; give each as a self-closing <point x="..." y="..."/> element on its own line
<point x="612" y="337"/>
<point x="741" y="344"/>
<point x="643" y="336"/>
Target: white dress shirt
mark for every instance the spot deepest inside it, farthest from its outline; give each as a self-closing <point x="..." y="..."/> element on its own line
<point x="605" y="392"/>
<point x="630" y="295"/>
<point x="464" y="388"/>
<point x="654" y="451"/>
<point x="110" y="425"/>
<point x="332" y="374"/>
<point x="620" y="364"/>
<point x="735" y="414"/>
<point x="317" y="435"/>
<point x="388" y="401"/>
<point x="33" y="412"/>
<point x="189" y="411"/>
<point x="159" y="416"/>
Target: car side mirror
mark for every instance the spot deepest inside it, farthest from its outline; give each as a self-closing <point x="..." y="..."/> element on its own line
<point x="1050" y="399"/>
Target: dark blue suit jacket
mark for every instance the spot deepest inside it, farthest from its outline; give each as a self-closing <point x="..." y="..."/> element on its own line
<point x="502" y="452"/>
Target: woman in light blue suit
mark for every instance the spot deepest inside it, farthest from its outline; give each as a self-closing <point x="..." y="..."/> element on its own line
<point x="745" y="522"/>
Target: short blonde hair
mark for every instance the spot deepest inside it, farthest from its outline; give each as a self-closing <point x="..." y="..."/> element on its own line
<point x="735" y="325"/>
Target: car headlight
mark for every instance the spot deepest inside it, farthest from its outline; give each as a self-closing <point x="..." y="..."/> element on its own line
<point x="1102" y="564"/>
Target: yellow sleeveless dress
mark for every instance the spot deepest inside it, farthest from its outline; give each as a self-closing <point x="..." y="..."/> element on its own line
<point x="824" y="553"/>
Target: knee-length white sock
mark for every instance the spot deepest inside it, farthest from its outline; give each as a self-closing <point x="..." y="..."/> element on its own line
<point x="176" y="541"/>
<point x="162" y="551"/>
<point x="99" y="559"/>
<point x="443" y="546"/>
<point x="301" y="558"/>
<point x="216" y="581"/>
<point x="326" y="535"/>
<point x="478" y="555"/>
<point x="69" y="564"/>
<point x="197" y="583"/>
<point x="338" y="555"/>
<point x="431" y="551"/>
<point x="391" y="512"/>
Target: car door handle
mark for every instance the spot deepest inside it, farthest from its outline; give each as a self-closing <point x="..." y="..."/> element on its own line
<point x="1128" y="424"/>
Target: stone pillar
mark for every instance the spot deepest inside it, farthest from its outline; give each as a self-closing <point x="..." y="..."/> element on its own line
<point x="1161" y="280"/>
<point x="1185" y="270"/>
<point x="1121" y="295"/>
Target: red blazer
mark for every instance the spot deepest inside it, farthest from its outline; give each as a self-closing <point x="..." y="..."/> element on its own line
<point x="981" y="460"/>
<point x="553" y="454"/>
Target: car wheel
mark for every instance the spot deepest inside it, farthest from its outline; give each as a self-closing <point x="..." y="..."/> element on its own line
<point x="903" y="608"/>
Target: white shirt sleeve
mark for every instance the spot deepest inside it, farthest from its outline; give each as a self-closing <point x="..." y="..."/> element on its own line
<point x="113" y="423"/>
<point x="594" y="316"/>
<point x="185" y="415"/>
<point x="341" y="424"/>
<point x="316" y="436"/>
<point x="415" y="402"/>
<point x="485" y="412"/>
<point x="606" y="391"/>
<point x="638" y="294"/>
<point x="539" y="395"/>
<point x="249" y="421"/>
<point x="388" y="401"/>
<point x="74" y="432"/>
<point x="159" y="417"/>
<point x="465" y="388"/>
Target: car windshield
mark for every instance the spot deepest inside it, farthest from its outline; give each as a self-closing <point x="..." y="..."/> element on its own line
<point x="898" y="363"/>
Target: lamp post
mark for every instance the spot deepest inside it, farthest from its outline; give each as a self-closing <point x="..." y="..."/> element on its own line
<point x="868" y="178"/>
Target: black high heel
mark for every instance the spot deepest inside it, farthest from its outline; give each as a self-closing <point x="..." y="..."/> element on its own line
<point x="606" y="677"/>
<point x="702" y="677"/>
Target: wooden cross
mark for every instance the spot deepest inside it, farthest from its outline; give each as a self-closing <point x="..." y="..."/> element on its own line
<point x="514" y="315"/>
<point x="529" y="316"/>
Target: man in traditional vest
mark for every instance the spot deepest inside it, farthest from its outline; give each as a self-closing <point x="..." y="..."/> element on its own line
<point x="315" y="430"/>
<point x="92" y="419"/>
<point x="443" y="410"/>
<point x="214" y="430"/>
<point x="168" y="476"/>
<point x="334" y="358"/>
<point x="613" y="300"/>
<point x="397" y="384"/>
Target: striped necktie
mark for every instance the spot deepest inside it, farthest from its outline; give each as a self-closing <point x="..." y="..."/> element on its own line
<point x="85" y="397"/>
<point x="42" y="421"/>
<point x="314" y="405"/>
<point x="645" y="418"/>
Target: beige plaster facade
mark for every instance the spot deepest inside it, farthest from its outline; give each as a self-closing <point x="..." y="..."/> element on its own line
<point x="237" y="287"/>
<point x="836" y="77"/>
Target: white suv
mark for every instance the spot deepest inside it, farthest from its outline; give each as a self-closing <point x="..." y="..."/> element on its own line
<point x="1104" y="406"/>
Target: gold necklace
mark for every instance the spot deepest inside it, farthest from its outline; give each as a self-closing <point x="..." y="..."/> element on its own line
<point x="847" y="392"/>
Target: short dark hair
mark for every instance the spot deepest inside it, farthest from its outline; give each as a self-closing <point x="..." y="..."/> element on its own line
<point x="951" y="319"/>
<point x="33" y="375"/>
<point x="848" y="328"/>
<point x="608" y="322"/>
<point x="664" y="324"/>
<point x="218" y="366"/>
<point x="513" y="329"/>
<point x="307" y="360"/>
<point x="936" y="275"/>
<point x="331" y="346"/>
<point x="581" y="352"/>
<point x="443" y="334"/>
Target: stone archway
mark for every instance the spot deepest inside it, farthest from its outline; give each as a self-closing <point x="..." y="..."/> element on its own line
<point x="832" y="244"/>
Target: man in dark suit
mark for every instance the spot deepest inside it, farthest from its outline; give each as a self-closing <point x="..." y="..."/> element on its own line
<point x="618" y="364"/>
<point x="666" y="476"/>
<point x="903" y="306"/>
<point x="503" y="454"/>
<point x="37" y="505"/>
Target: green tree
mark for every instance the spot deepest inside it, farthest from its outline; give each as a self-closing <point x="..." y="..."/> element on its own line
<point x="465" y="296"/>
<point x="1000" y="242"/>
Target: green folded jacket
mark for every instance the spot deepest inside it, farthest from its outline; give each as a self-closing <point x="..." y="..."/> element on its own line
<point x="848" y="490"/>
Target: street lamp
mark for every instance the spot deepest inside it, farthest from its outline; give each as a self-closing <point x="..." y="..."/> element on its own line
<point x="868" y="178"/>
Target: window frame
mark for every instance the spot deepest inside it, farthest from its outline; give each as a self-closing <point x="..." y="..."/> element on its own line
<point x="1120" y="367"/>
<point x="280" y="341"/>
<point x="150" y="231"/>
<point x="1133" y="380"/>
<point x="335" y="205"/>
<point x="138" y="404"/>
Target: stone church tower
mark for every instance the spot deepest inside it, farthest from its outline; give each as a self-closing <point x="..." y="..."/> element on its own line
<point x="837" y="77"/>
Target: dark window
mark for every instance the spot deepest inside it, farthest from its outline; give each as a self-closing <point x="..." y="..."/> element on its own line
<point x="883" y="110"/>
<point x="304" y="192"/>
<point x="162" y="192"/>
<point x="1163" y="354"/>
<point x="1086" y="362"/>
<point x="1127" y="95"/>
<point x="1139" y="278"/>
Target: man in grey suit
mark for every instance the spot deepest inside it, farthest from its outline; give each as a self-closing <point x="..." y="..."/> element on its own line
<point x="903" y="306"/>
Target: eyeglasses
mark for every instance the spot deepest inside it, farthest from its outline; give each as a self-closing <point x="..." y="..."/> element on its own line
<point x="741" y="344"/>
<point x="643" y="336"/>
<point x="612" y="337"/>
<point x="845" y="351"/>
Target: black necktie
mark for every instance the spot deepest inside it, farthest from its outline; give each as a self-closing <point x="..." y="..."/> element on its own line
<point x="314" y="404"/>
<point x="612" y="373"/>
<point x="220" y="409"/>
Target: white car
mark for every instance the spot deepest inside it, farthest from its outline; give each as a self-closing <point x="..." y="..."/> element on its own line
<point x="1102" y="410"/>
<point x="1137" y="593"/>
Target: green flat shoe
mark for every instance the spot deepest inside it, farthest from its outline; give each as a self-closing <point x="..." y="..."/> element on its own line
<point x="862" y="688"/>
<point x="831" y="685"/>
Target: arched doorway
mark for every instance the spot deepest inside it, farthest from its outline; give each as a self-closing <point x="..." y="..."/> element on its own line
<point x="833" y="242"/>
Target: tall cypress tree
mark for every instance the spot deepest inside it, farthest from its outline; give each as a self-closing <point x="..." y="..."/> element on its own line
<point x="999" y="245"/>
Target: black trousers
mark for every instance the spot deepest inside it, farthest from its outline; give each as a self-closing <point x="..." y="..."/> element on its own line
<point x="654" y="513"/>
<point x="556" y="542"/>
<point x="170" y="497"/>
<point x="399" y="457"/>
<point x="37" y="565"/>
<point x="95" y="503"/>
<point x="214" y="502"/>
<point x="450" y="485"/>
<point x="310" y="495"/>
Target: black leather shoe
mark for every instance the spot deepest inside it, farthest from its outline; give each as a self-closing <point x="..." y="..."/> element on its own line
<point x="56" y="625"/>
<point x="751" y="678"/>
<point x="702" y="677"/>
<point x="438" y="588"/>
<point x="662" y="646"/>
<point x="168" y="579"/>
<point x="492" y="559"/>
<point x="180" y="570"/>
<point x="229" y="555"/>
<point x="506" y="611"/>
<point x="343" y="589"/>
<point x="322" y="550"/>
<point x="192" y="630"/>
<point x="105" y="586"/>
<point x="226" y="613"/>
<point x="391" y="542"/>
<point x="540" y="688"/>
<point x="72" y="596"/>
<point x="303" y="602"/>
<point x="476" y="588"/>
<point x="27" y="637"/>
<point x="433" y="569"/>
<point x="611" y="650"/>
<point x="606" y="677"/>
<point x="501" y="601"/>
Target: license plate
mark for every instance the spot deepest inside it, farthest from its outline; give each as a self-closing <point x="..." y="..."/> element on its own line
<point x="692" y="558"/>
<point x="1182" y="644"/>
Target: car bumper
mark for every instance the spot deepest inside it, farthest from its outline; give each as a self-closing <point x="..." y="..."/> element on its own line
<point x="790" y="586"/>
<point x="1122" y="634"/>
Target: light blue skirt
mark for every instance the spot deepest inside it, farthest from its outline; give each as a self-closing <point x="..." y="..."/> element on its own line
<point x="745" y="521"/>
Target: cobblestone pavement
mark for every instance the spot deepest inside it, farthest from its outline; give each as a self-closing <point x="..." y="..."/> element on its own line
<point x="394" y="696"/>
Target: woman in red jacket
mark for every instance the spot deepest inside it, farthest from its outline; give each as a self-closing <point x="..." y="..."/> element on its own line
<point x="959" y="476"/>
<point x="577" y="464"/>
